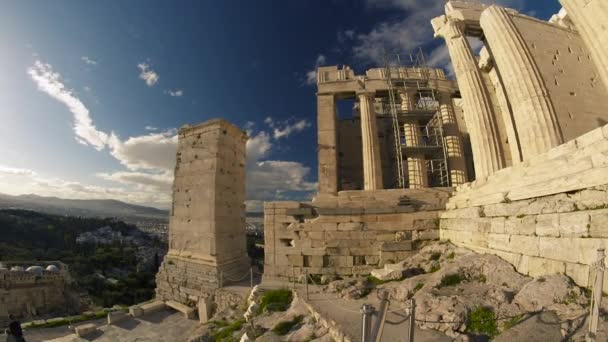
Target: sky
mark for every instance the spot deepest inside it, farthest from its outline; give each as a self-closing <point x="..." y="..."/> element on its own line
<point x="93" y="93"/>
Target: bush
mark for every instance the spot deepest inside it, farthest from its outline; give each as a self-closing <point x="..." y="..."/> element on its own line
<point x="435" y="256"/>
<point x="451" y="280"/>
<point x="483" y="321"/>
<point x="284" y="327"/>
<point x="224" y="334"/>
<point x="276" y="300"/>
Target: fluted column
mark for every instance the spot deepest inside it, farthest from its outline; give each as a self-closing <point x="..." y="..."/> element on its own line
<point x="372" y="170"/>
<point x="591" y="20"/>
<point x="416" y="164"/>
<point x="452" y="141"/>
<point x="327" y="142"/>
<point x="533" y="112"/>
<point x="478" y="112"/>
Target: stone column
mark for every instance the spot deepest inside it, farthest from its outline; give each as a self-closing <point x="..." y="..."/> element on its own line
<point x="372" y="170"/>
<point x="416" y="164"/>
<point x="452" y="141"/>
<point x="533" y="112"/>
<point x="590" y="18"/>
<point x="479" y="116"/>
<point x="327" y="144"/>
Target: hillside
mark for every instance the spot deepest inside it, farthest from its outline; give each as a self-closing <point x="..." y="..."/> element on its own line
<point x="84" y="208"/>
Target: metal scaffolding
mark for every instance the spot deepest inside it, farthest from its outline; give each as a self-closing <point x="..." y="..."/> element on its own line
<point x="410" y="72"/>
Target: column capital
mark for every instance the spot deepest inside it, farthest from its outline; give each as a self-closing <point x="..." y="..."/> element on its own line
<point x="447" y="28"/>
<point x="366" y="93"/>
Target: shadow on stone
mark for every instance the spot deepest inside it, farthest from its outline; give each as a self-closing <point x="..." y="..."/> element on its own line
<point x="128" y="324"/>
<point x="156" y="317"/>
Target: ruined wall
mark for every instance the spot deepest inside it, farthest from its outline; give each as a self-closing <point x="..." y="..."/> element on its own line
<point x="27" y="295"/>
<point x="350" y="158"/>
<point x="207" y="222"/>
<point x="544" y="216"/>
<point x="577" y="93"/>
<point x="351" y="233"/>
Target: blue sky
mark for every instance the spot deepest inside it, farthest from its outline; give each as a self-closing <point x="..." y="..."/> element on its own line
<point x="92" y="92"/>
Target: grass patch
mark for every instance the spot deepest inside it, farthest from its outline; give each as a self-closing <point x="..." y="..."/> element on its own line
<point x="276" y="300"/>
<point x="450" y="256"/>
<point x="418" y="287"/>
<point x="224" y="334"/>
<point x="482" y="321"/>
<point x="513" y="322"/>
<point x="451" y="280"/>
<point x="285" y="327"/>
<point x="375" y="281"/>
<point x="435" y="268"/>
<point x="435" y="256"/>
<point x="68" y="320"/>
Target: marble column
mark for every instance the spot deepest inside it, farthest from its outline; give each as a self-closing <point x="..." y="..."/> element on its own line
<point x="327" y="144"/>
<point x="478" y="111"/>
<point x="591" y="20"/>
<point x="533" y="112"/>
<point x="416" y="164"/>
<point x="372" y="170"/>
<point x="452" y="140"/>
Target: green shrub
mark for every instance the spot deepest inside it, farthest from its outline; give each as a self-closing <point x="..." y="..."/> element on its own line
<point x="285" y="327"/>
<point x="418" y="287"/>
<point x="451" y="280"/>
<point x="224" y="334"/>
<point x="435" y="256"/>
<point x="482" y="321"/>
<point x="450" y="256"/>
<point x="513" y="322"/>
<point x="276" y="300"/>
<point x="435" y="268"/>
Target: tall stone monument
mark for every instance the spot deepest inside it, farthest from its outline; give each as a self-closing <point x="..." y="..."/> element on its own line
<point x="207" y="241"/>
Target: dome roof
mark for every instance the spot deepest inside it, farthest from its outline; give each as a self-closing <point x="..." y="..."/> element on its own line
<point x="52" y="268"/>
<point x="35" y="269"/>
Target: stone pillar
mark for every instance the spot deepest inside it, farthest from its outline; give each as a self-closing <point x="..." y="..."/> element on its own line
<point x="416" y="164"/>
<point x="590" y="18"/>
<point x="452" y="141"/>
<point x="327" y="144"/>
<point x="479" y="116"/>
<point x="207" y="238"/>
<point x="533" y="112"/>
<point x="372" y="170"/>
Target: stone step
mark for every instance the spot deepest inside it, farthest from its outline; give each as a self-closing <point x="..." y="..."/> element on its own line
<point x="152" y="307"/>
<point x="186" y="310"/>
<point x="85" y="329"/>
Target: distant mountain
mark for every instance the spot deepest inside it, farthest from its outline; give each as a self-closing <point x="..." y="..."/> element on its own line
<point x="85" y="208"/>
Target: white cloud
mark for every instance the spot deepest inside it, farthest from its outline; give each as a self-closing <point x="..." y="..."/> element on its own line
<point x="287" y="129"/>
<point x="16" y="171"/>
<point x="49" y="82"/>
<point x="151" y="128"/>
<point x="88" y="60"/>
<point x="311" y="75"/>
<point x="155" y="151"/>
<point x="147" y="74"/>
<point x="409" y="33"/>
<point x="175" y="93"/>
<point x="144" y="181"/>
<point x="258" y="146"/>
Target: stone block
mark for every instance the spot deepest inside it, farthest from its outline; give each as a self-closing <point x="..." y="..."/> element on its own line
<point x="563" y="249"/>
<point x="499" y="241"/>
<point x="316" y="261"/>
<point x="186" y="310"/>
<point x="574" y="224"/>
<point x="153" y="307"/>
<point x="295" y="260"/>
<point x="524" y="244"/>
<point x="542" y="266"/>
<point x="429" y="234"/>
<point x="116" y="316"/>
<point x="598" y="223"/>
<point x="348" y="226"/>
<point x="205" y="310"/>
<point x="396" y="246"/>
<point x="525" y="225"/>
<point x="85" y="329"/>
<point x="372" y="259"/>
<point x="136" y="311"/>
<point x="497" y="225"/>
<point x="547" y="225"/>
<point x="472" y="212"/>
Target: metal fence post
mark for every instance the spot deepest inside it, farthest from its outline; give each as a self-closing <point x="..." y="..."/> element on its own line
<point x="410" y="332"/>
<point x="306" y="282"/>
<point x="596" y="300"/>
<point x="366" y="315"/>
<point x="376" y="335"/>
<point x="251" y="277"/>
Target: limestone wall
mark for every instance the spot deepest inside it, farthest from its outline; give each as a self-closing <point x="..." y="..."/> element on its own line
<point x="544" y="216"/>
<point x="26" y="295"/>
<point x="351" y="233"/>
<point x="571" y="77"/>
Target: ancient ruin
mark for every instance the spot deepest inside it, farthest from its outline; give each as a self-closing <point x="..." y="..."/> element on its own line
<point x="207" y="223"/>
<point x="532" y="116"/>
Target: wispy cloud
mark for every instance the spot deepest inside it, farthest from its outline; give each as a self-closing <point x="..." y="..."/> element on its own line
<point x="174" y="93"/>
<point x="88" y="60"/>
<point x="286" y="128"/>
<point x="50" y="82"/>
<point x="147" y="74"/>
<point x="16" y="171"/>
<point x="311" y="75"/>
